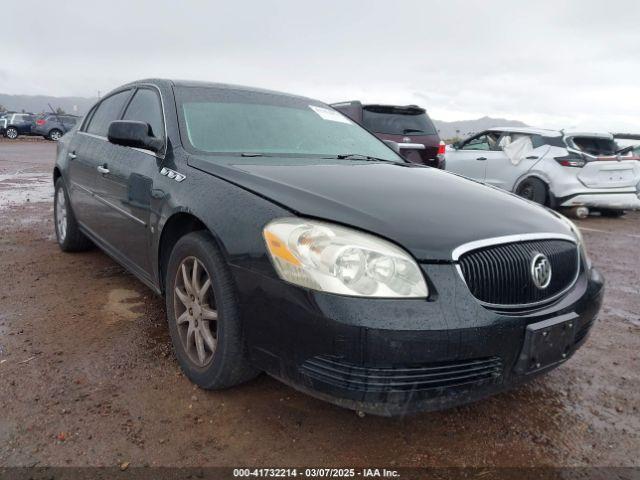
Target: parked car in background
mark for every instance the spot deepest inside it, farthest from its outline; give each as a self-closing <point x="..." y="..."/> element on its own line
<point x="409" y="126"/>
<point x="53" y="125"/>
<point x="288" y="239"/>
<point x="12" y="125"/>
<point x="579" y="170"/>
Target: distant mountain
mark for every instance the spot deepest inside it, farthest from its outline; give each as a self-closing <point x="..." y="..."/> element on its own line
<point x="40" y="103"/>
<point x="464" y="128"/>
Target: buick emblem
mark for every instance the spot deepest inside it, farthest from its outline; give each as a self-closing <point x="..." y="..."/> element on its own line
<point x="540" y="271"/>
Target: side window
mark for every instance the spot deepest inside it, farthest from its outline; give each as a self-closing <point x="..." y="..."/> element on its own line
<point x="146" y="107"/>
<point x="87" y="119"/>
<point x="107" y="111"/>
<point x="480" y="142"/>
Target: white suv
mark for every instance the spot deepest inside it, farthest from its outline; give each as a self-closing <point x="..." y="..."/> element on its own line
<point x="554" y="168"/>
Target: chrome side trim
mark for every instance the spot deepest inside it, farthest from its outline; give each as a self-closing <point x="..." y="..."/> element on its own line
<point x="523" y="237"/>
<point x="468" y="247"/>
<point x="93" y="135"/>
<point x="82" y="187"/>
<point x="120" y="210"/>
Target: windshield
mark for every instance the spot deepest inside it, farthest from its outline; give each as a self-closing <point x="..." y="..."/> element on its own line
<point x="226" y="121"/>
<point x="397" y="120"/>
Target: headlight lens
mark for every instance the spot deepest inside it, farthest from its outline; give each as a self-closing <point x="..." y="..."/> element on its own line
<point x="336" y="259"/>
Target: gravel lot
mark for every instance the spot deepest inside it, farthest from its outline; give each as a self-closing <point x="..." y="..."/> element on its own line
<point x="88" y="376"/>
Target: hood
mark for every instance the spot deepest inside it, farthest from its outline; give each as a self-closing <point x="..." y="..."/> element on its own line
<point x="427" y="211"/>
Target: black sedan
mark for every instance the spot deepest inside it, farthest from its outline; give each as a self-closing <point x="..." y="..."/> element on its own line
<point x="287" y="239"/>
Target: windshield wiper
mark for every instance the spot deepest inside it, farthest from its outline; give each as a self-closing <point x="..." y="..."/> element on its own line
<point x="358" y="156"/>
<point x="251" y="154"/>
<point x="409" y="130"/>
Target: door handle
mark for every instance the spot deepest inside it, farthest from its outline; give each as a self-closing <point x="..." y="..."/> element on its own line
<point x="102" y="169"/>
<point x="72" y="155"/>
<point x="481" y="158"/>
<point x="532" y="157"/>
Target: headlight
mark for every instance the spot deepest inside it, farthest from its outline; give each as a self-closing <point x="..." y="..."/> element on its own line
<point x="336" y="259"/>
<point x="578" y="234"/>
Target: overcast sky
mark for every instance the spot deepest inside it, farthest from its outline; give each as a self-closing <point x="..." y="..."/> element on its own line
<point x="548" y="63"/>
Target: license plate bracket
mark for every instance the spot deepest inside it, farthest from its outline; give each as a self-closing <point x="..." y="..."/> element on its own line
<point x="547" y="343"/>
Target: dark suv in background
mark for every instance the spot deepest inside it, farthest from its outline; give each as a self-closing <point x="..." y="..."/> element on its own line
<point x="53" y="125"/>
<point x="409" y="126"/>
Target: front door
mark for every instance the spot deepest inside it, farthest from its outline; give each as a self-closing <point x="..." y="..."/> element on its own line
<point x="471" y="157"/>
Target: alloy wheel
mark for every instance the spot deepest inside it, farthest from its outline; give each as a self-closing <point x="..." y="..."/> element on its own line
<point x="12" y="133"/>
<point x="195" y="311"/>
<point x="55" y="135"/>
<point x="61" y="215"/>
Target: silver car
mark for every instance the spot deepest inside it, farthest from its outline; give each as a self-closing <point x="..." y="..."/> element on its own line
<point x="579" y="170"/>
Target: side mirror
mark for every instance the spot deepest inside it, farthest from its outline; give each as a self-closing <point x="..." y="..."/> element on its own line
<point x="456" y="145"/>
<point x="134" y="134"/>
<point x="395" y="146"/>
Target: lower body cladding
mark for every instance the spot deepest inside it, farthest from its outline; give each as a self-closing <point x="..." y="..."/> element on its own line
<point x="608" y="200"/>
<point x="396" y="357"/>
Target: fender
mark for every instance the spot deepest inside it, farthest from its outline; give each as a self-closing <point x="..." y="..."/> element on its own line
<point x="535" y="174"/>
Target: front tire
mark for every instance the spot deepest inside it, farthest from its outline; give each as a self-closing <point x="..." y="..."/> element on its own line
<point x="203" y="315"/>
<point x="11" y="133"/>
<point x="533" y="189"/>
<point x="68" y="234"/>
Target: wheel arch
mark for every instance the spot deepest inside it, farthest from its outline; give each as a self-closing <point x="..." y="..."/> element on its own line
<point x="544" y="178"/>
<point x="178" y="225"/>
<point x="56" y="174"/>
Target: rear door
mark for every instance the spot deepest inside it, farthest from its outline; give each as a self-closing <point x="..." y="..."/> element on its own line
<point x="471" y="157"/>
<point x="88" y="151"/>
<point x="126" y="182"/>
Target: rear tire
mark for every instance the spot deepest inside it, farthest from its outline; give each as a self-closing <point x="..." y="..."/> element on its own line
<point x="611" y="213"/>
<point x="533" y="189"/>
<point x="55" y="135"/>
<point x="203" y="315"/>
<point x="68" y="234"/>
<point x="11" y="133"/>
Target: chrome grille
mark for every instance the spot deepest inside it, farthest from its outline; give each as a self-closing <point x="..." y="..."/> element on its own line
<point x="500" y="275"/>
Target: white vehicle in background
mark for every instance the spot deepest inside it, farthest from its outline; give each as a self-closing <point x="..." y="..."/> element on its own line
<point x="559" y="169"/>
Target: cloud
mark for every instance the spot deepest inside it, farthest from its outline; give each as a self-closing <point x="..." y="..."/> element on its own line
<point x="545" y="62"/>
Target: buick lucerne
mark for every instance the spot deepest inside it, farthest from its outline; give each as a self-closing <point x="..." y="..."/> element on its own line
<point x="287" y="239"/>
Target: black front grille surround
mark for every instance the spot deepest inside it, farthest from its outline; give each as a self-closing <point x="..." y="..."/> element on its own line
<point x="499" y="275"/>
<point x="336" y="372"/>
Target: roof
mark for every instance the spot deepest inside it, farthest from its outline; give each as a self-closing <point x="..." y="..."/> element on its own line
<point x="546" y="132"/>
<point x="202" y="84"/>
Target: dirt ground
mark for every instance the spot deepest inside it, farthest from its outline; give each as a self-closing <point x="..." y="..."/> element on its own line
<point x="88" y="377"/>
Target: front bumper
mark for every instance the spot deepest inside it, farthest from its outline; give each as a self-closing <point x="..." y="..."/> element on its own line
<point x="619" y="201"/>
<point x="396" y="357"/>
